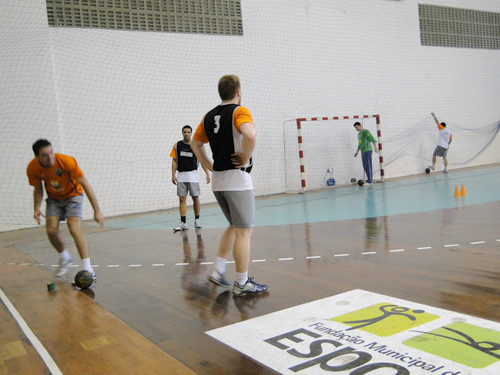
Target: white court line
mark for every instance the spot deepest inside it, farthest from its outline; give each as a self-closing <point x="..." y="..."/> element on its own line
<point x="181" y="264"/>
<point x="207" y="263"/>
<point x="369" y="252"/>
<point x="424" y="248"/>
<point x="258" y="260"/>
<point x="285" y="258"/>
<point x="477" y="242"/>
<point x="52" y="366"/>
<point x="498" y="240"/>
<point x="135" y="265"/>
<point x="341" y="255"/>
<point x="314" y="257"/>
<point x="452" y="245"/>
<point x="158" y="265"/>
<point x="230" y="262"/>
<point x="113" y="265"/>
<point x="396" y="250"/>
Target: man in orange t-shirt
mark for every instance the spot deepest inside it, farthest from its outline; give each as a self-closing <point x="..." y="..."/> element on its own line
<point x="230" y="131"/>
<point x="64" y="182"/>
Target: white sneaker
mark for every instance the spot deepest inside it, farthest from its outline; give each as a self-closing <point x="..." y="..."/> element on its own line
<point x="445" y="170"/>
<point x="250" y="287"/>
<point x="217" y="278"/>
<point x="181" y="226"/>
<point x="197" y="224"/>
<point x="431" y="167"/>
<point x="63" y="266"/>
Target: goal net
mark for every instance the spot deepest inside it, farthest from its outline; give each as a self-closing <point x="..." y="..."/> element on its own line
<point x="320" y="148"/>
<point x="419" y="141"/>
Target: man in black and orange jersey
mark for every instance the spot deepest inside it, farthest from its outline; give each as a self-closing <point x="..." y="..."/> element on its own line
<point x="230" y="131"/>
<point x="185" y="163"/>
<point x="64" y="182"/>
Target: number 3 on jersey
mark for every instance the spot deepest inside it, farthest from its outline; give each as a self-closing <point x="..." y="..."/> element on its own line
<point x="217" y="123"/>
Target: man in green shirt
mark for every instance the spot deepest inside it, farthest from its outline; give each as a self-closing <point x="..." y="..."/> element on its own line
<point x="365" y="140"/>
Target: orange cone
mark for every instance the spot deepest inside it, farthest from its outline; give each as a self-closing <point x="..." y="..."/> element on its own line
<point x="463" y="193"/>
<point x="457" y="192"/>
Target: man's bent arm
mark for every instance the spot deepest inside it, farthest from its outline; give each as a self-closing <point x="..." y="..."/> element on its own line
<point x="201" y="154"/>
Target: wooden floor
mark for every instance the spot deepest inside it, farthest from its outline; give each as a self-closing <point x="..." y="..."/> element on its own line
<point x="152" y="303"/>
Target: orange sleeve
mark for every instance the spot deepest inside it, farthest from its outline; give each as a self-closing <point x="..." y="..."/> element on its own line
<point x="33" y="179"/>
<point x="200" y="134"/>
<point x="173" y="154"/>
<point x="71" y="166"/>
<point x="241" y="116"/>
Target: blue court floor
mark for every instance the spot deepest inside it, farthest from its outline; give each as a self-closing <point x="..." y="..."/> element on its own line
<point x="400" y="196"/>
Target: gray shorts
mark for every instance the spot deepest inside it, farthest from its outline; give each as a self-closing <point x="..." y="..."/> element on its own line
<point x="238" y="207"/>
<point x="63" y="208"/>
<point x="184" y="187"/>
<point x="440" y="151"/>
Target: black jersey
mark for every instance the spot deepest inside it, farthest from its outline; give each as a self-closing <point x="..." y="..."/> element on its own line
<point x="186" y="159"/>
<point x="220" y="131"/>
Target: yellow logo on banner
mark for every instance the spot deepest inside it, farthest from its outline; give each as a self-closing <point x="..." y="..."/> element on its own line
<point x="385" y="319"/>
<point x="464" y="343"/>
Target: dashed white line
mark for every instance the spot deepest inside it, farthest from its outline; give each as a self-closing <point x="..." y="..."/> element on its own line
<point x="232" y="261"/>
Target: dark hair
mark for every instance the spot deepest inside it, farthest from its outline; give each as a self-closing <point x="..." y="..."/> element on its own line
<point x="41" y="143"/>
<point x="228" y="85"/>
<point x="187" y="126"/>
<point x="357" y="123"/>
<point x="443" y="125"/>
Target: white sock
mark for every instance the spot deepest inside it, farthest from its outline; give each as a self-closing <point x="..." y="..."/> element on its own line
<point x="241" y="278"/>
<point x="65" y="255"/>
<point x="220" y="265"/>
<point x="86" y="265"/>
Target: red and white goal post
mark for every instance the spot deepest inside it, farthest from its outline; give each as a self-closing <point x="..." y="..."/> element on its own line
<point x="332" y="141"/>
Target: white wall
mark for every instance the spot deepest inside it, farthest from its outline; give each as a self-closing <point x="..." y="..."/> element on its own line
<point x="117" y="100"/>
